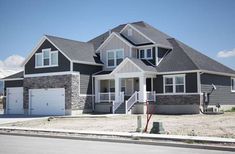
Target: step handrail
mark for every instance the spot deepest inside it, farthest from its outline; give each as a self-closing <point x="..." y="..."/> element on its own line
<point x="132" y="100"/>
<point x="117" y="104"/>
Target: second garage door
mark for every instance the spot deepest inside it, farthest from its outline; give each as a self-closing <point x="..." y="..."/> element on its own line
<point x="47" y="101"/>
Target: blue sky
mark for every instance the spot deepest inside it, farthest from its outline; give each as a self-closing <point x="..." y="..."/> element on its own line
<point x="206" y="25"/>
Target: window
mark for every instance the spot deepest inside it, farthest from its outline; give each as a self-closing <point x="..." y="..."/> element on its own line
<point x="54" y="58"/>
<point x="145" y="53"/>
<point x="141" y="54"/>
<point x="46" y="58"/>
<point x="168" y="85"/>
<point x="111" y="59"/>
<point x="129" y="32"/>
<point x="233" y="84"/>
<point x="38" y="59"/>
<point x="174" y="84"/>
<point x="119" y="56"/>
<point x="115" y="57"/>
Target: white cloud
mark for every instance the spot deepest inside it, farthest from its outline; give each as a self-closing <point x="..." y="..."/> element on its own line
<point x="10" y="65"/>
<point x="226" y="54"/>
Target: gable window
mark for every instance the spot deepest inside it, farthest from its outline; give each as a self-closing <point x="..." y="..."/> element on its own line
<point x="233" y="84"/>
<point x="46" y="58"/>
<point x="114" y="57"/>
<point x="174" y="84"/>
<point x="145" y="53"/>
<point x="38" y="59"/>
<point x="129" y="32"/>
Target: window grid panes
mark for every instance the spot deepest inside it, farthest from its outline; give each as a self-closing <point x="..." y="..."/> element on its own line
<point x="145" y="53"/>
<point x="38" y="59"/>
<point x="115" y="58"/>
<point x="174" y="84"/>
<point x="54" y="58"/>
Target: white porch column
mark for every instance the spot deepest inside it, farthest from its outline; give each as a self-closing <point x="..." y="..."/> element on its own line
<point x="97" y="89"/>
<point x="117" y="88"/>
<point x="142" y="87"/>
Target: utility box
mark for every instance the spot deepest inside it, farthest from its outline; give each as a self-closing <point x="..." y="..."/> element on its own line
<point x="157" y="128"/>
<point x="139" y="124"/>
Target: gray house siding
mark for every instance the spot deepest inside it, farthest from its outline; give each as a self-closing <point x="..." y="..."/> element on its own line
<point x="13" y="83"/>
<point x="190" y="83"/>
<point x="86" y="72"/>
<point x="63" y="62"/>
<point x="222" y="95"/>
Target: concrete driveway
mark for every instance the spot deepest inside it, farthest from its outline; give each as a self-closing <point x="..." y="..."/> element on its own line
<point x="4" y="119"/>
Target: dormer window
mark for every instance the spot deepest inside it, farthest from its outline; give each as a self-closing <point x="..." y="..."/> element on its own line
<point x="145" y="53"/>
<point x="129" y="32"/>
<point x="46" y="58"/>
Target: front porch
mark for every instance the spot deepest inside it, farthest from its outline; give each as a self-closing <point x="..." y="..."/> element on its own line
<point x="123" y="88"/>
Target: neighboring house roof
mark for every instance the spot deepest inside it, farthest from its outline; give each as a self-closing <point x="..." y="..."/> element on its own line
<point x="76" y="50"/>
<point x="19" y="75"/>
<point x="185" y="58"/>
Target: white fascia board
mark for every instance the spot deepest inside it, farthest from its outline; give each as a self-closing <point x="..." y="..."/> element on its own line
<point x="141" y="33"/>
<point x="178" y="72"/>
<point x="51" y="74"/>
<point x="12" y="79"/>
<point x="38" y="45"/>
<point x="218" y="73"/>
<point x="88" y="63"/>
<point x="123" y="64"/>
<point x="110" y="37"/>
<point x="34" y="50"/>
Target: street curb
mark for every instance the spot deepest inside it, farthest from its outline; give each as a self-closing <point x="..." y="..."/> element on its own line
<point x="129" y="138"/>
<point x="153" y="143"/>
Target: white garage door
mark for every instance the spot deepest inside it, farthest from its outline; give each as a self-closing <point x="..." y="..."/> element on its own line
<point x="15" y="100"/>
<point x="47" y="101"/>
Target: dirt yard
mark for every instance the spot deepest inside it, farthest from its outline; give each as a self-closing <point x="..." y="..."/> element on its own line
<point x="199" y="125"/>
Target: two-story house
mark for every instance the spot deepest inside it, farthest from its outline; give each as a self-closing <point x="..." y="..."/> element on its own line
<point x="117" y="72"/>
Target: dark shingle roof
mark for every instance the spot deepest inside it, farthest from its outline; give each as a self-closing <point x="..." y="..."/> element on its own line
<point x="152" y="33"/>
<point x="16" y="75"/>
<point x="76" y="50"/>
<point x="184" y="58"/>
<point x="143" y="65"/>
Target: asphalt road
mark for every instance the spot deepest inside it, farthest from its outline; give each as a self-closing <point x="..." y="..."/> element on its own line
<point x="36" y="145"/>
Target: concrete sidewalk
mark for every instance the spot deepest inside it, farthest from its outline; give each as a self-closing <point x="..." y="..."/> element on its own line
<point x="129" y="135"/>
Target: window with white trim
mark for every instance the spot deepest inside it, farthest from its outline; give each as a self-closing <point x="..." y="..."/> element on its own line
<point x="114" y="57"/>
<point x="38" y="59"/>
<point x="46" y="58"/>
<point x="233" y="84"/>
<point x="145" y="53"/>
<point x="174" y="84"/>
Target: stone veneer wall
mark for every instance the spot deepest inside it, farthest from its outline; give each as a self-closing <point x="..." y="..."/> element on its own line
<point x="178" y="99"/>
<point x="71" y="84"/>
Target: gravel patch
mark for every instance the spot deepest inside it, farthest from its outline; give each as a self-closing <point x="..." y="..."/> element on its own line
<point x="194" y="125"/>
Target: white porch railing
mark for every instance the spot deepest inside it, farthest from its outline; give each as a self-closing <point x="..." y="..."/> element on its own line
<point x="132" y="100"/>
<point x="116" y="104"/>
<point x="150" y="95"/>
<point x="106" y="97"/>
